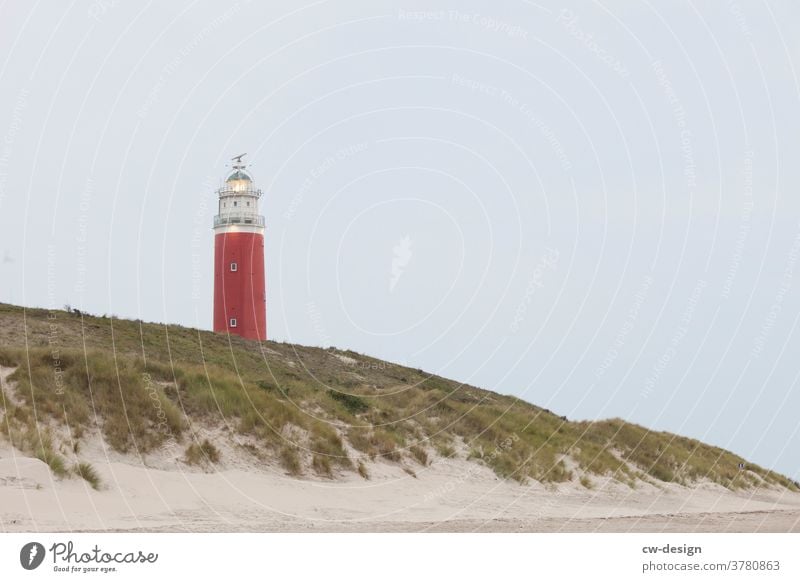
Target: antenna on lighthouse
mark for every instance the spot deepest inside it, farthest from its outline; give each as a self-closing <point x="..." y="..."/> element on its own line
<point x="238" y="159"/>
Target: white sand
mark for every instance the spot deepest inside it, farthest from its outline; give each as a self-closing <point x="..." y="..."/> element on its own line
<point x="161" y="492"/>
<point x="446" y="496"/>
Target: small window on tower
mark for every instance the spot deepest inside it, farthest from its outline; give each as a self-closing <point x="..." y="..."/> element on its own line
<point x="235" y="203"/>
<point x="233" y="322"/>
<point x="248" y="204"/>
<point x="234" y="267"/>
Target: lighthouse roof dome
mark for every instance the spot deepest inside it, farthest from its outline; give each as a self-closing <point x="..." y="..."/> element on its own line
<point x="239" y="174"/>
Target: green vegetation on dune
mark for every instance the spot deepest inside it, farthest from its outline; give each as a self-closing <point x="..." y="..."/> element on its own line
<point x="86" y="472"/>
<point x="204" y="453"/>
<point x="315" y="411"/>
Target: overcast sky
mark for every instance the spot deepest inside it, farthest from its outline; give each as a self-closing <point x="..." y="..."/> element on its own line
<point x="592" y="205"/>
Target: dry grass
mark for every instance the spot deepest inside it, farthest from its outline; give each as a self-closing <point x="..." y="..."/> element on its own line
<point x="290" y="461"/>
<point x="204" y="454"/>
<point x="420" y="455"/>
<point x="322" y="466"/>
<point x="270" y="390"/>
<point x="446" y="450"/>
<point x="53" y="460"/>
<point x="88" y="473"/>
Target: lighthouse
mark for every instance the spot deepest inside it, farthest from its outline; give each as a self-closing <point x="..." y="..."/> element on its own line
<point x="239" y="285"/>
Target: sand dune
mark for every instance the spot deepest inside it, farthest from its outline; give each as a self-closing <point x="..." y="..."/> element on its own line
<point x="247" y="491"/>
<point x="163" y="494"/>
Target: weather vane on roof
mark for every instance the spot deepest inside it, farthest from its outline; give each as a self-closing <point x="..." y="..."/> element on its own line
<point x="238" y="160"/>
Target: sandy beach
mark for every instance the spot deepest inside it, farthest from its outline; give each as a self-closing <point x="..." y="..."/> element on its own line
<point x="450" y="495"/>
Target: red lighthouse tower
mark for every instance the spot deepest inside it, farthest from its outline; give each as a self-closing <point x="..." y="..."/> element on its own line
<point x="239" y="286"/>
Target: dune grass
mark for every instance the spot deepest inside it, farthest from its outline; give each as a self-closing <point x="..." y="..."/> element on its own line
<point x="46" y="454"/>
<point x="88" y="473"/>
<point x="140" y="385"/>
<point x="204" y="453"/>
<point x="290" y="461"/>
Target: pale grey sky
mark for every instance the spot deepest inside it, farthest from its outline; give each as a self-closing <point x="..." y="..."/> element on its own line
<point x="591" y="205"/>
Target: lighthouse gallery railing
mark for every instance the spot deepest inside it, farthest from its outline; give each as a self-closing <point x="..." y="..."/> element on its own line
<point x="238" y="218"/>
